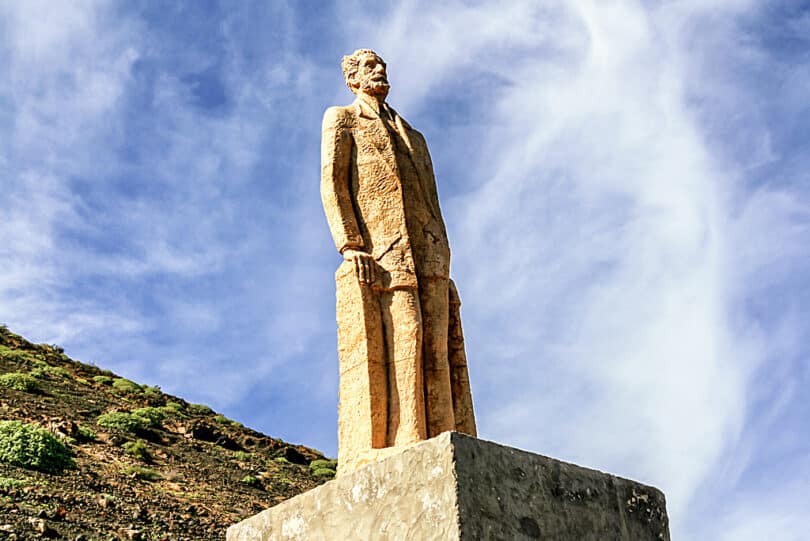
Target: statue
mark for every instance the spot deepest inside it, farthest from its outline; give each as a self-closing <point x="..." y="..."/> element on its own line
<point x="403" y="369"/>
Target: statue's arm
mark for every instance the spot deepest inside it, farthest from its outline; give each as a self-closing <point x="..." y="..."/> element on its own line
<point x="336" y="152"/>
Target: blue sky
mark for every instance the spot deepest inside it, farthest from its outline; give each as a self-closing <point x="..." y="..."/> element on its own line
<point x="625" y="185"/>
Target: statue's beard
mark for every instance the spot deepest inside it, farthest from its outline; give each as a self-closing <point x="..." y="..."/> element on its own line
<point x="375" y="88"/>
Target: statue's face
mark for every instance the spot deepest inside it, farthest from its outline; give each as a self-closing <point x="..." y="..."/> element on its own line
<point x="371" y="77"/>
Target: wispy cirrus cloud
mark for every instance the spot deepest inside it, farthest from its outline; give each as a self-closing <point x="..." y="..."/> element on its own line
<point x="606" y="250"/>
<point x="623" y="182"/>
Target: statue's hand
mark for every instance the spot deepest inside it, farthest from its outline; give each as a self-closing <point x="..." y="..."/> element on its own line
<point x="363" y="265"/>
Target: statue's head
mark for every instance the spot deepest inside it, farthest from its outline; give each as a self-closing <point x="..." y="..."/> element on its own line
<point x="364" y="72"/>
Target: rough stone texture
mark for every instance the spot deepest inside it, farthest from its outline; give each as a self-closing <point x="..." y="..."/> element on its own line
<point x="455" y="487"/>
<point x="403" y="369"/>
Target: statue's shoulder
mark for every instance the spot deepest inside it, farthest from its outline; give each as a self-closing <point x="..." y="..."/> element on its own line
<point x="339" y="116"/>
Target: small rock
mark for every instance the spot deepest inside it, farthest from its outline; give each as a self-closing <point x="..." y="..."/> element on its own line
<point x="139" y="513"/>
<point x="42" y="527"/>
<point x="132" y="534"/>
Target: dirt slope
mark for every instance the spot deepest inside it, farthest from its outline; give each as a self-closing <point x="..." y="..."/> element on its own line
<point x="181" y="472"/>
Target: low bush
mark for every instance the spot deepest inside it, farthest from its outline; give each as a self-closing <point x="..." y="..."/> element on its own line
<point x="175" y="406"/>
<point x="7" y="483"/>
<point x="123" y="385"/>
<point x="323" y="464"/>
<point x="153" y="417"/>
<point x="144" y="474"/>
<point x="199" y="409"/>
<point x="323" y="472"/>
<point x="104" y="380"/>
<point x="138" y="449"/>
<point x="221" y="419"/>
<point x="19" y="381"/>
<point x="151" y="392"/>
<point x="125" y="422"/>
<point x="85" y="434"/>
<point x="45" y="369"/>
<point x="33" y="447"/>
<point x="174" y="409"/>
<point x="244" y="456"/>
<point x="16" y="355"/>
<point x="251" y="481"/>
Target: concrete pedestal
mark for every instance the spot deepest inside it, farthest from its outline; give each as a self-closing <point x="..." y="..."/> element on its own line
<point x="455" y="487"/>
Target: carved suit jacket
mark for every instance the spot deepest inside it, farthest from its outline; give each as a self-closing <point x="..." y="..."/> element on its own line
<point x="362" y="193"/>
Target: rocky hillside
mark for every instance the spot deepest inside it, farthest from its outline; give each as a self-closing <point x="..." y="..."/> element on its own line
<point x="87" y="455"/>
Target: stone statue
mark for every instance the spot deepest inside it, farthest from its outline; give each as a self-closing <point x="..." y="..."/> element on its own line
<point x="403" y="369"/>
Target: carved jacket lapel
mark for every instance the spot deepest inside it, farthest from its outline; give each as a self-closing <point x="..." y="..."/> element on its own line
<point x="372" y="128"/>
<point x="420" y="158"/>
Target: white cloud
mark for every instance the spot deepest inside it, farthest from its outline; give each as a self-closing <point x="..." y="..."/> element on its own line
<point x="600" y="260"/>
<point x="604" y="243"/>
<point x="137" y="230"/>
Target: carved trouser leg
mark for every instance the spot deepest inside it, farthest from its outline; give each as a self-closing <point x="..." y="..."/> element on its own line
<point x="459" y="376"/>
<point x="402" y="324"/>
<point x="403" y="370"/>
<point x="362" y="413"/>
<point x="434" y="296"/>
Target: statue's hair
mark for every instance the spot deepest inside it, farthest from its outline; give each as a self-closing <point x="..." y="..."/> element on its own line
<point x="351" y="63"/>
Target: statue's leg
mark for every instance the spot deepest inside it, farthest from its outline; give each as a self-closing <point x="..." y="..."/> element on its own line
<point x="459" y="376"/>
<point x="402" y="324"/>
<point x="434" y="295"/>
<point x="363" y="409"/>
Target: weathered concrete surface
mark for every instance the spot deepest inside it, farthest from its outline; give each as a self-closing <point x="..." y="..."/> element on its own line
<point x="455" y="487"/>
<point x="505" y="493"/>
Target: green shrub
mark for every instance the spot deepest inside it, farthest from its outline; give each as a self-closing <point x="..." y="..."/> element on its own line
<point x="7" y="483"/>
<point x="282" y="460"/>
<point x="323" y="464"/>
<point x="174" y="409"/>
<point x="173" y="412"/>
<point x="176" y="406"/>
<point x="85" y="434"/>
<point x="19" y="381"/>
<point x="199" y="409"/>
<point x="144" y="474"/>
<point x="323" y="472"/>
<point x="244" y="456"/>
<point x="138" y="449"/>
<point x="221" y="419"/>
<point x="123" y="385"/>
<point x="16" y="355"/>
<point x="250" y="481"/>
<point x="32" y="447"/>
<point x="151" y="391"/>
<point x="104" y="380"/>
<point x="125" y="422"/>
<point x="153" y="417"/>
<point x="58" y="371"/>
<point x="44" y="369"/>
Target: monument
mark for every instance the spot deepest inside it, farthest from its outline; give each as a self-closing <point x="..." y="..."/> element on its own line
<point x="409" y="464"/>
<point x="403" y="370"/>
